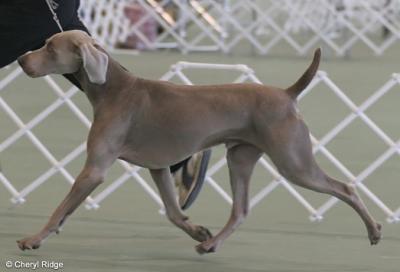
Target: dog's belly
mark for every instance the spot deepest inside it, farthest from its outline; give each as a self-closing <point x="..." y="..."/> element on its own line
<point x="161" y="150"/>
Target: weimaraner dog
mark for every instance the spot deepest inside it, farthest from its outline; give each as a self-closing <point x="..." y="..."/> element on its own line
<point x="155" y="124"/>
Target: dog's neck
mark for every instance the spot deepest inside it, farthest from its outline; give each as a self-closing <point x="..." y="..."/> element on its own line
<point x="97" y="92"/>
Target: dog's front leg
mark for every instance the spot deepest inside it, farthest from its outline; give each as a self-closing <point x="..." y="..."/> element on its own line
<point x="163" y="180"/>
<point x="90" y="177"/>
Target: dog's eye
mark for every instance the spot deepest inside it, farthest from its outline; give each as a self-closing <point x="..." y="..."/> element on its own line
<point x="51" y="51"/>
<point x="50" y="48"/>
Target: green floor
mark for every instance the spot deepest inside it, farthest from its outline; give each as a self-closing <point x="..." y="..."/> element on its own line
<point x="128" y="234"/>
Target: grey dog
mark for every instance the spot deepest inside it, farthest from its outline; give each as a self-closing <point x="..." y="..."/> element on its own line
<point x="155" y="124"/>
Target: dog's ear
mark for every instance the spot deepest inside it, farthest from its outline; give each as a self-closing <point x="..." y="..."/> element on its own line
<point x="95" y="62"/>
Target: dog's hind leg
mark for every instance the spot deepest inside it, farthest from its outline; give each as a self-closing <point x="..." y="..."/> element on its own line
<point x="290" y="149"/>
<point x="163" y="180"/>
<point x="241" y="160"/>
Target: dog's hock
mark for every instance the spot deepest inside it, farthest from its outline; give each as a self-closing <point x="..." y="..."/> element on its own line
<point x="95" y="63"/>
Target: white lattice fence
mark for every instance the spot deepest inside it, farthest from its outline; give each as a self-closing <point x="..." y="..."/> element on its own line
<point x="179" y="71"/>
<point x="358" y="112"/>
<point x="227" y="25"/>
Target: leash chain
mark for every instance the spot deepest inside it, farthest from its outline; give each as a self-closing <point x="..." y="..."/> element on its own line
<point x="52" y="6"/>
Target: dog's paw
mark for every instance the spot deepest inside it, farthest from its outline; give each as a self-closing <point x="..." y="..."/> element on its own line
<point x="205" y="247"/>
<point x="29" y="243"/>
<point x="375" y="234"/>
<point x="202" y="234"/>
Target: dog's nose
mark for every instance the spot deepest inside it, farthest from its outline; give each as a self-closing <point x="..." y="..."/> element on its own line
<point x="22" y="59"/>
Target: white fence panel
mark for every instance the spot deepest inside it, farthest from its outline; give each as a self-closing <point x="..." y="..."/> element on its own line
<point x="225" y="25"/>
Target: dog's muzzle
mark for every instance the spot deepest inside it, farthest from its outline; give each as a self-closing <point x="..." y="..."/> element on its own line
<point x="25" y="65"/>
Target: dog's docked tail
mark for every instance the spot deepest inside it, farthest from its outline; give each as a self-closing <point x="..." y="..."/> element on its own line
<point x="294" y="90"/>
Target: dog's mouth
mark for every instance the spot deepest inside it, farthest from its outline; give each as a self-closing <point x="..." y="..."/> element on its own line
<point x="30" y="72"/>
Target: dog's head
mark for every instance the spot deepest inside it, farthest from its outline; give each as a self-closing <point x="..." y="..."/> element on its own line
<point x="66" y="53"/>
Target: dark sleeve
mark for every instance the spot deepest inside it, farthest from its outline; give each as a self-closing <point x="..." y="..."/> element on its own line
<point x="26" y="24"/>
